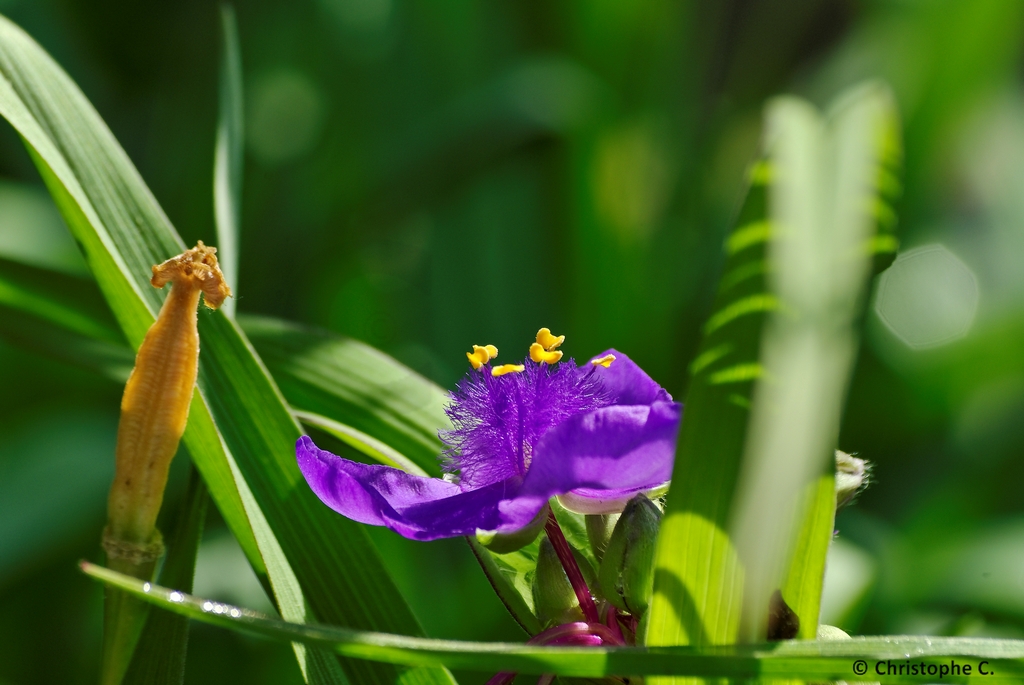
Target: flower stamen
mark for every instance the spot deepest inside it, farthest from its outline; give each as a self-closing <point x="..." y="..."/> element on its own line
<point x="604" y="361"/>
<point x="542" y="356"/>
<point x="548" y="341"/>
<point x="481" y="355"/>
<point x="507" y="368"/>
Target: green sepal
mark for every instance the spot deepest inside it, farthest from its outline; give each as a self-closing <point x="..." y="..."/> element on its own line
<point x="627" y="570"/>
<point x="554" y="600"/>
<point x="503" y="543"/>
<point x="599" y="532"/>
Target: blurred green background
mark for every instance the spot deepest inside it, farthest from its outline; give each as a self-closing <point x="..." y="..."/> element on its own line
<point x="429" y="175"/>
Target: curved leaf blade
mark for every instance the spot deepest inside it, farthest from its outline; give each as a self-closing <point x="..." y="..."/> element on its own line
<point x="802" y="659"/>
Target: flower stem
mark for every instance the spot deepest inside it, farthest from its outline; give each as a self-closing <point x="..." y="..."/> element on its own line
<point x="572" y="569"/>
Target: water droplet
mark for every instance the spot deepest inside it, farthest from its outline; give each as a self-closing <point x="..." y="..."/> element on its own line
<point x="146" y="587"/>
<point x="176" y="597"/>
<point x="235" y="613"/>
<point x="207" y="606"/>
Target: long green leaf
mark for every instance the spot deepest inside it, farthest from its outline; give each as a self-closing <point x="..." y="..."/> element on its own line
<point x="64" y="316"/>
<point x="803" y="659"/>
<point x="59" y="299"/>
<point x="240" y="433"/>
<point x="823" y="201"/>
<point x="768" y="383"/>
<point x="159" y="657"/>
<point x="353" y="384"/>
<point x="227" y="160"/>
<point x="698" y="581"/>
<point x="111" y="360"/>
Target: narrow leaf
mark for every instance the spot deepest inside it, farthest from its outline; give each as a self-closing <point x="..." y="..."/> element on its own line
<point x="804" y="659"/>
<point x="698" y="580"/>
<point x="822" y="200"/>
<point x="367" y="444"/>
<point x="227" y="160"/>
<point x="769" y="379"/>
<point x="351" y="383"/>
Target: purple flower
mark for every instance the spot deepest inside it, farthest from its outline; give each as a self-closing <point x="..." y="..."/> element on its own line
<point x="595" y="435"/>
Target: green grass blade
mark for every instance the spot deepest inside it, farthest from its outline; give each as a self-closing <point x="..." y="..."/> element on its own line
<point x="60" y="299"/>
<point x="768" y="382"/>
<point x="351" y="383"/>
<point x="159" y="657"/>
<point x="63" y="316"/>
<point x="227" y="160"/>
<point x="370" y="446"/>
<point x="240" y="434"/>
<point x="805" y="660"/>
<point x="113" y="361"/>
<point x="698" y="580"/>
<point x="822" y="199"/>
<point x="803" y="579"/>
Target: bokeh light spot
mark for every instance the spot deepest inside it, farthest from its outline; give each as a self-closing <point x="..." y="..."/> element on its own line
<point x="285" y="116"/>
<point x="928" y="297"/>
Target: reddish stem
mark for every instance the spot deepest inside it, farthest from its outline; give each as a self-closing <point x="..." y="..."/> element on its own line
<point x="572" y="569"/>
<point x="611" y="620"/>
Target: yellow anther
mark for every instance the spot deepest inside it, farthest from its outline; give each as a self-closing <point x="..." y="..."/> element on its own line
<point x="481" y="355"/>
<point x="507" y="368"/>
<point x="540" y="355"/>
<point x="547" y="341"/>
<point x="604" y="361"/>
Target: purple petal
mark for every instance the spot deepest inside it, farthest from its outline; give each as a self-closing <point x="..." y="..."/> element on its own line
<point x="606" y="455"/>
<point x="627" y="383"/>
<point x="415" y="507"/>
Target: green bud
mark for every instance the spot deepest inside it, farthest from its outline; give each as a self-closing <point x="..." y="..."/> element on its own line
<point x="599" y="532"/>
<point x="504" y="543"/>
<point x="851" y="477"/>
<point x="554" y="600"/>
<point x="832" y="633"/>
<point x="627" y="569"/>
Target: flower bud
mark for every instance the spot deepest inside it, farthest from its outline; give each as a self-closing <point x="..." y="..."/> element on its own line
<point x="832" y="633"/>
<point x="627" y="569"/>
<point x="503" y="543"/>
<point x="155" y="405"/>
<point x="599" y="532"/>
<point x="554" y="599"/>
<point x="154" y="410"/>
<point x="852" y="475"/>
